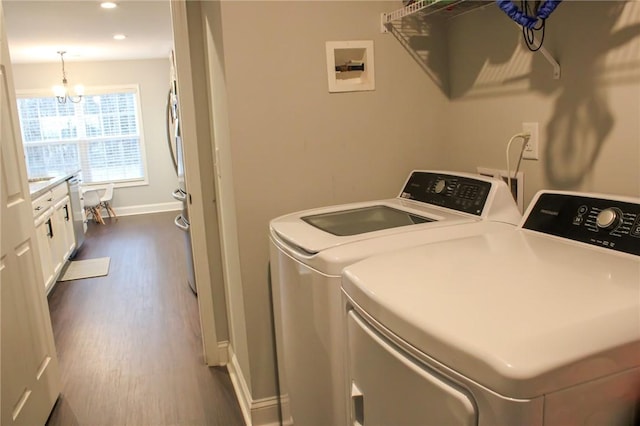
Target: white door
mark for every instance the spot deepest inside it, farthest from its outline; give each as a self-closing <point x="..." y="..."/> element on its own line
<point x="389" y="388"/>
<point x="29" y="373"/>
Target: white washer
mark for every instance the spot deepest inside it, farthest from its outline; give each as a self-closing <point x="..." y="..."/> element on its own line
<point x="309" y="249"/>
<point x="540" y="326"/>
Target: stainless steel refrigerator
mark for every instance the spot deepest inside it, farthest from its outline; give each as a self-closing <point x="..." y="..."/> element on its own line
<point x="180" y="194"/>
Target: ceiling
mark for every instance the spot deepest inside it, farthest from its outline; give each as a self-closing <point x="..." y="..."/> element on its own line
<point x="37" y="30"/>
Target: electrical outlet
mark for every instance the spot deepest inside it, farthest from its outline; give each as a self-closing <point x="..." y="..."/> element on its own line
<point x="531" y="149"/>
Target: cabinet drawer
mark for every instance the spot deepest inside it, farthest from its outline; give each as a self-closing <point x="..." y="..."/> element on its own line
<point x="59" y="203"/>
<point x="42" y="203"/>
<point x="60" y="191"/>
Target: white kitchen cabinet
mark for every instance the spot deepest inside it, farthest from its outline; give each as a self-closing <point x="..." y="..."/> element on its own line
<point x="54" y="231"/>
<point x="42" y="214"/>
<point x="63" y="241"/>
<point x="43" y="226"/>
<point x="67" y="218"/>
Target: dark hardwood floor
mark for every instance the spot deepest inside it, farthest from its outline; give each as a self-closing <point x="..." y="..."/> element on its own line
<point x="129" y="343"/>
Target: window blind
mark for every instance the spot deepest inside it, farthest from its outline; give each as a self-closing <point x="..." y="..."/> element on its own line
<point x="100" y="135"/>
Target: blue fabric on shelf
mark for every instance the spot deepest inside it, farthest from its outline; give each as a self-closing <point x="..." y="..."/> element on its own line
<point x="522" y="18"/>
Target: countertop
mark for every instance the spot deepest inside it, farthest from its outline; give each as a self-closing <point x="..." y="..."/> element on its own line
<point x="42" y="185"/>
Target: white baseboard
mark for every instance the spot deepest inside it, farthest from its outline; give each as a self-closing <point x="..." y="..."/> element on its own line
<point x="264" y="412"/>
<point x="240" y="386"/>
<point x="146" y="208"/>
<point x="259" y="412"/>
<point x="223" y="352"/>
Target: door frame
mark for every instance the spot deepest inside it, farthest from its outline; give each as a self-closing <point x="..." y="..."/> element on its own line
<point x="192" y="135"/>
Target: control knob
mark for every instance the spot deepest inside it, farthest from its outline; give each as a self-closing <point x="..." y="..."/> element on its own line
<point x="441" y="185"/>
<point x="609" y="219"/>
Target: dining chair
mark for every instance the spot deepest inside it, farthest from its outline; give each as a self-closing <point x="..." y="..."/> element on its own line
<point x="105" y="200"/>
<point x="92" y="203"/>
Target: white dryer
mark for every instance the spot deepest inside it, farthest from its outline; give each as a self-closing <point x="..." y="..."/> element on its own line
<point x="540" y="326"/>
<point x="309" y="249"/>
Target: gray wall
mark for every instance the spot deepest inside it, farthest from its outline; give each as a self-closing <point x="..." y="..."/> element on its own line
<point x="589" y="119"/>
<point x="152" y="76"/>
<point x="294" y="145"/>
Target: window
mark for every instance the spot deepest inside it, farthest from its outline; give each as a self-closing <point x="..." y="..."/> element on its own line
<point x="100" y="135"/>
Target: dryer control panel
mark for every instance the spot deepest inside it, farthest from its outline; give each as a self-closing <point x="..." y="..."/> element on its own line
<point x="607" y="223"/>
<point x="459" y="193"/>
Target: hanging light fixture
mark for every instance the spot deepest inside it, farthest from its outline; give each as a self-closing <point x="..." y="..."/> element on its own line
<point x="62" y="91"/>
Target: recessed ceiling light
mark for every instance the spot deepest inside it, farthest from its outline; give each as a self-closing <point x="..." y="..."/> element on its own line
<point x="119" y="37"/>
<point x="108" y="5"/>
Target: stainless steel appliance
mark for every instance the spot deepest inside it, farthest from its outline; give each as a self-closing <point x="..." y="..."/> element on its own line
<point x="180" y="194"/>
<point x="77" y="209"/>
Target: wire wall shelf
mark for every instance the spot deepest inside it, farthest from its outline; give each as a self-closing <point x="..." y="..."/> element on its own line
<point x="449" y="9"/>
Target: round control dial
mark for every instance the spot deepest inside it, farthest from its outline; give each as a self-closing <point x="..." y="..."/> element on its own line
<point x="609" y="219"/>
<point x="441" y="185"/>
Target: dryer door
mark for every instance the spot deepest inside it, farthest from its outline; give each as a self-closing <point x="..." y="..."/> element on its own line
<point x="388" y="387"/>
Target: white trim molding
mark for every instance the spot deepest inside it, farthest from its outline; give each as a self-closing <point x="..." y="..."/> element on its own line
<point x="223" y="352"/>
<point x="259" y="412"/>
<point x="147" y="208"/>
<point x="264" y="412"/>
<point x="240" y="385"/>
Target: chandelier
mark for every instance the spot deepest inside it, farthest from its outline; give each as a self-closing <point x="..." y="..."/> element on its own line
<point x="62" y="92"/>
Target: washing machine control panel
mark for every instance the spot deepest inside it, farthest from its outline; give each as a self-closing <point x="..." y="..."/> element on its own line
<point x="607" y="223"/>
<point x="459" y="193"/>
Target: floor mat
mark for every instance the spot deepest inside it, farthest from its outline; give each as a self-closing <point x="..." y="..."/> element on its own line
<point x="89" y="268"/>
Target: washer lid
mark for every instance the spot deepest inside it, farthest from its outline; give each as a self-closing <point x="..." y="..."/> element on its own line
<point x="296" y="231"/>
<point x="520" y="313"/>
<point x="363" y="220"/>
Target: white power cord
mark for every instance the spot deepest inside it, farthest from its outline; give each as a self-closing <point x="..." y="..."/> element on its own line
<point x="525" y="138"/>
